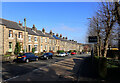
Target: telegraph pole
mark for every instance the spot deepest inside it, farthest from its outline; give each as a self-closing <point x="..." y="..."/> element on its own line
<point x="25" y="35"/>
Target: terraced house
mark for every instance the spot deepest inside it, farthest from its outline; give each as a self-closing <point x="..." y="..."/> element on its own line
<point x="12" y="32"/>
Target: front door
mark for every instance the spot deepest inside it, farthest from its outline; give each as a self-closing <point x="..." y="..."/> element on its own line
<point x="29" y="48"/>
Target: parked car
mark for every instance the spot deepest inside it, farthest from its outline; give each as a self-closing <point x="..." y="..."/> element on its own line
<point x="26" y="57"/>
<point x="68" y="53"/>
<point x="61" y="54"/>
<point x="47" y="56"/>
<point x="73" y="53"/>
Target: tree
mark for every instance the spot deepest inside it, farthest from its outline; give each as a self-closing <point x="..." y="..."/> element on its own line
<point x="33" y="50"/>
<point x="17" y="48"/>
<point x="117" y="13"/>
<point x="102" y="25"/>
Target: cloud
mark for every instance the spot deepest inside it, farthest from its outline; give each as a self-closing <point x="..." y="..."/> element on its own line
<point x="67" y="28"/>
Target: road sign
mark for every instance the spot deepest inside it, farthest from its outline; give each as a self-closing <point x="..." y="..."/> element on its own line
<point x="92" y="39"/>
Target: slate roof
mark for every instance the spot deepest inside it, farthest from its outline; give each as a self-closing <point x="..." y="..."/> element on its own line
<point x="10" y="24"/>
<point x="40" y="33"/>
<point x="48" y="35"/>
<point x="56" y="37"/>
<point x="31" y="32"/>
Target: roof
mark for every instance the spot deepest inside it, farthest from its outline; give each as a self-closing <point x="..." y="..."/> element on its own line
<point x="40" y="33"/>
<point x="31" y="32"/>
<point x="10" y="24"/>
<point x="55" y="37"/>
<point x="49" y="35"/>
<point x="16" y="26"/>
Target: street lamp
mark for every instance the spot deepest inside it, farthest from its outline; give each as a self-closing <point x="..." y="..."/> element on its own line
<point x="25" y="35"/>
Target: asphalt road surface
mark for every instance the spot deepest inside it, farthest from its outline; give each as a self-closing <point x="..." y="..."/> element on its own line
<point x="56" y="69"/>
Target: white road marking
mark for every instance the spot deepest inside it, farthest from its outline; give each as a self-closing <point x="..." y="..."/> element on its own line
<point x="11" y="78"/>
<point x="37" y="69"/>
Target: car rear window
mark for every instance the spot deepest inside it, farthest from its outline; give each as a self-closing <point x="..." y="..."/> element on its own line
<point x="46" y="53"/>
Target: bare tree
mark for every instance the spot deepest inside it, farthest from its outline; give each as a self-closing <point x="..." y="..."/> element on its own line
<point x="117" y="13"/>
<point x="103" y="25"/>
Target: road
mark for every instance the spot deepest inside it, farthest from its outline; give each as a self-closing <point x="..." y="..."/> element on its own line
<point x="56" y="69"/>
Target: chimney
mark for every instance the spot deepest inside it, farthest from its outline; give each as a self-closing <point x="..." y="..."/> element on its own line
<point x="43" y="30"/>
<point x="60" y="35"/>
<point x="50" y="32"/>
<point x="66" y="38"/>
<point x="34" y="28"/>
<point x="57" y="34"/>
<point x="20" y="24"/>
<point x="53" y="33"/>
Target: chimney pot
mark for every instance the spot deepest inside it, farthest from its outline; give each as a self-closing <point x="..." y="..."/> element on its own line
<point x="34" y="28"/>
<point x="50" y="32"/>
<point x="20" y="24"/>
<point x="43" y="30"/>
<point x="60" y="35"/>
<point x="57" y="34"/>
<point x="66" y="37"/>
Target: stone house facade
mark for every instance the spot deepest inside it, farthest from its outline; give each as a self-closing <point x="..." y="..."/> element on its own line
<point x="12" y="32"/>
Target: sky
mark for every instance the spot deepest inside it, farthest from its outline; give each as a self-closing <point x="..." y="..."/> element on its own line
<point x="66" y="18"/>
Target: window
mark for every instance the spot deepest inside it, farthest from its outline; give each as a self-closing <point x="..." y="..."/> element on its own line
<point x="10" y="33"/>
<point x="54" y="42"/>
<point x="35" y="38"/>
<point x="20" y="34"/>
<point x="50" y="48"/>
<point x="53" y="48"/>
<point x="35" y="47"/>
<point x="45" y="47"/>
<point x="50" y="41"/>
<point x="41" y="39"/>
<point x="29" y="38"/>
<point x="41" y="48"/>
<point x="10" y="45"/>
<point x="45" y="39"/>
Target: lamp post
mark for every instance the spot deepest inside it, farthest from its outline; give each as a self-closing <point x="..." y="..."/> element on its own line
<point x="25" y="35"/>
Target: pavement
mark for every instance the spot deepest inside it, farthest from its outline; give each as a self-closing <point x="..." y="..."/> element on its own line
<point x="64" y="69"/>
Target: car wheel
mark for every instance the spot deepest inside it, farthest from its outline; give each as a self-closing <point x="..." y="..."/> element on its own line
<point x="27" y="60"/>
<point x="47" y="58"/>
<point x="51" y="57"/>
<point x="36" y="59"/>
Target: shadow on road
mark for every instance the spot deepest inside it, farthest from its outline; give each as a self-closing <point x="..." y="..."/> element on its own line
<point x="79" y="67"/>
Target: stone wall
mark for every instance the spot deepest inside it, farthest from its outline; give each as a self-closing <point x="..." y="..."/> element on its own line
<point x="1" y="40"/>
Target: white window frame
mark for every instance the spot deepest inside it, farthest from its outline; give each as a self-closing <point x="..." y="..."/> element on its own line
<point x="45" y="40"/>
<point x="35" y="45"/>
<point x="41" y="39"/>
<point x="11" y="34"/>
<point x="35" y="39"/>
<point x="41" y="48"/>
<point x="19" y="35"/>
<point x="29" y="37"/>
<point x="45" y="47"/>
